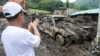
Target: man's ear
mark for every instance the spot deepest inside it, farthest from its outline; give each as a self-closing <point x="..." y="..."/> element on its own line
<point x="19" y="17"/>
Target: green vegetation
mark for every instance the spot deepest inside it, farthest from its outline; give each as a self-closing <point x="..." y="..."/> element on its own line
<point x="50" y="5"/>
<point x="44" y="4"/>
<point x="88" y="3"/>
<point x="76" y="6"/>
<point x="39" y="11"/>
<point x="2" y="2"/>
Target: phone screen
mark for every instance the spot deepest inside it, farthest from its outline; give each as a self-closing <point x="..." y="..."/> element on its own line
<point x="33" y="17"/>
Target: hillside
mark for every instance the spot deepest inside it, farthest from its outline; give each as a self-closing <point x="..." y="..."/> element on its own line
<point x="89" y="3"/>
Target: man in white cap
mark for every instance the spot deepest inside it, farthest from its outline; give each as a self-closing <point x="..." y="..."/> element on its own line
<point x="16" y="40"/>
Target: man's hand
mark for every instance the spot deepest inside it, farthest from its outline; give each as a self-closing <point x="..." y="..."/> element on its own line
<point x="30" y="27"/>
<point x="33" y="28"/>
<point x="33" y="25"/>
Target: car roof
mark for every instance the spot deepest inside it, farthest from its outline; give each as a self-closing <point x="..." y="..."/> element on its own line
<point x="55" y="15"/>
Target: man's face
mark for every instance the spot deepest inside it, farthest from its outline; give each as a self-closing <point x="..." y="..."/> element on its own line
<point x="21" y="15"/>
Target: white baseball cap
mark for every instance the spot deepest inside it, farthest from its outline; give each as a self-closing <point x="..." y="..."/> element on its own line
<point x="12" y="8"/>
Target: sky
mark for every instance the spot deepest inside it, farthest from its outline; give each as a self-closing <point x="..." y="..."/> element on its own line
<point x="69" y="1"/>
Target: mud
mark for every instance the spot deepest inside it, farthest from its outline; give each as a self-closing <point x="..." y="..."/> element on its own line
<point x="76" y="48"/>
<point x="49" y="47"/>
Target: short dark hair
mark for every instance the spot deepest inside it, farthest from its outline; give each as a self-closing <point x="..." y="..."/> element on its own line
<point x="12" y="18"/>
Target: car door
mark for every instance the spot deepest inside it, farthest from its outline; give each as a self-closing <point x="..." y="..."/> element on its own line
<point x="49" y="25"/>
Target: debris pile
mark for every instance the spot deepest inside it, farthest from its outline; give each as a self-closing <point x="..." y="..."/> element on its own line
<point x="85" y="27"/>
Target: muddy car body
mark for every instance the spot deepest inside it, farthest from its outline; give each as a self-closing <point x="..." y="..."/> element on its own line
<point x="49" y="25"/>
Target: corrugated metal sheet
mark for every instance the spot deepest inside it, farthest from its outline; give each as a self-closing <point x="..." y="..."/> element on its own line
<point x="92" y="11"/>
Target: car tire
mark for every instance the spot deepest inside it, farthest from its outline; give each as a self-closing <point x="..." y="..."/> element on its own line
<point x="60" y="40"/>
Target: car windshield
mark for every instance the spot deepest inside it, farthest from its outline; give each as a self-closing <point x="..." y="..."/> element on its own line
<point x="59" y="18"/>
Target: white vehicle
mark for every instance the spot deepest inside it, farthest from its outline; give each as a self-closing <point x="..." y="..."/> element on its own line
<point x="63" y="31"/>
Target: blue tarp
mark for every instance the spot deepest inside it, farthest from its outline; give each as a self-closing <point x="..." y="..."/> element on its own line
<point x="92" y="11"/>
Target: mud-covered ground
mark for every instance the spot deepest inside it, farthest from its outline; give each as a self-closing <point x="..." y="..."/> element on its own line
<point x="49" y="47"/>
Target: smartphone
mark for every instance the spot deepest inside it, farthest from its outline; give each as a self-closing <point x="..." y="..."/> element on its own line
<point x="34" y="16"/>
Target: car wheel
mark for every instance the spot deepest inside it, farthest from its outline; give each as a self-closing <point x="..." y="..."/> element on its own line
<point x="60" y="40"/>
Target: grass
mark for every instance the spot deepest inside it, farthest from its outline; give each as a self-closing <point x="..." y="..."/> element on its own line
<point x="39" y="11"/>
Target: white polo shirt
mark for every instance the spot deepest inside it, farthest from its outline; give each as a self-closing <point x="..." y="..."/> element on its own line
<point x="19" y="42"/>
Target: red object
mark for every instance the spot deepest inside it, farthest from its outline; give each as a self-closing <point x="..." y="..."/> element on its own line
<point x="22" y="2"/>
<point x="1" y="7"/>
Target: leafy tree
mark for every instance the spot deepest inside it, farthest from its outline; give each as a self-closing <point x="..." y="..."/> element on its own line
<point x="57" y="5"/>
<point x="72" y="5"/>
<point x="45" y="4"/>
<point x="3" y="2"/>
<point x="84" y="7"/>
<point x="89" y="3"/>
<point x="50" y="4"/>
<point x="67" y="4"/>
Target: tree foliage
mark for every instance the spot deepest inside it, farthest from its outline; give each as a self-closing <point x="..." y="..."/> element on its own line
<point x="88" y="3"/>
<point x="84" y="7"/>
<point x="44" y="4"/>
<point x="3" y="2"/>
<point x="75" y="6"/>
<point x="52" y="4"/>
